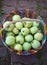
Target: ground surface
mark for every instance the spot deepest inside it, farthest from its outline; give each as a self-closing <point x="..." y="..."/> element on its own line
<point x="7" y="58"/>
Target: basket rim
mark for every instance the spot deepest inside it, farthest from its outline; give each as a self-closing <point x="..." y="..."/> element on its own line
<point x="23" y="54"/>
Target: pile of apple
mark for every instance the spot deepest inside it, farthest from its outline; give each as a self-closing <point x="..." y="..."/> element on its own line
<point x="23" y="36"/>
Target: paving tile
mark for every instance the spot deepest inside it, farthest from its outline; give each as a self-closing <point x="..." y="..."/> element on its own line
<point x="8" y="6"/>
<point x="3" y="51"/>
<point x="3" y="17"/>
<point x="45" y="59"/>
<point x="9" y="3"/>
<point x="43" y="3"/>
<point x="43" y="12"/>
<point x="24" y="59"/>
<point x="8" y="9"/>
<point x="28" y="3"/>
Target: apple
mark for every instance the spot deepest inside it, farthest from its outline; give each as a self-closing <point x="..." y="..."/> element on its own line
<point x="18" y="47"/>
<point x="9" y="28"/>
<point x="29" y="38"/>
<point x="10" y="40"/>
<point x="16" y="17"/>
<point x="38" y="36"/>
<point x="12" y="46"/>
<point x="28" y="24"/>
<point x="39" y="30"/>
<point x="26" y="46"/>
<point x="19" y="25"/>
<point x="25" y="31"/>
<point x="20" y="33"/>
<point x="35" y="23"/>
<point x="5" y="24"/>
<point x="20" y="39"/>
<point x="33" y="30"/>
<point x="35" y="44"/>
<point x="9" y="34"/>
<point x="15" y="31"/>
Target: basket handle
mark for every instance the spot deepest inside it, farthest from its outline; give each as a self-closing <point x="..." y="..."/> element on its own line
<point x="11" y="22"/>
<point x="38" y="20"/>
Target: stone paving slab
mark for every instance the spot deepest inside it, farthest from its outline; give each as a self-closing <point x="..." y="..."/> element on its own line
<point x="8" y="6"/>
<point x="24" y="59"/>
<point x="43" y="3"/>
<point x="28" y="3"/>
<point x="11" y="3"/>
<point x="8" y="9"/>
<point x="3" y="17"/>
<point x="43" y="12"/>
<point x="3" y="52"/>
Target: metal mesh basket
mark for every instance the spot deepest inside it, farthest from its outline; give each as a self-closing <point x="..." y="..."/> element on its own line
<point x="30" y="14"/>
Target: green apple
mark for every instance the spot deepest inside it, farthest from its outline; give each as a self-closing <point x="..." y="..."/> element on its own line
<point x="15" y="31"/>
<point x="33" y="30"/>
<point x="26" y="46"/>
<point x="39" y="30"/>
<point x="29" y="38"/>
<point x="10" y="40"/>
<point x="28" y="24"/>
<point x="25" y="31"/>
<point x="5" y="24"/>
<point x="19" y="25"/>
<point x="9" y="34"/>
<point x="16" y="17"/>
<point x="20" y="39"/>
<point x="20" y="33"/>
<point x="12" y="46"/>
<point x="18" y="47"/>
<point x="35" y="23"/>
<point x="35" y="44"/>
<point x="38" y="36"/>
<point x="9" y="28"/>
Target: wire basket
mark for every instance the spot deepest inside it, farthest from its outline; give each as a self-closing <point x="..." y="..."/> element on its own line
<point x="30" y="14"/>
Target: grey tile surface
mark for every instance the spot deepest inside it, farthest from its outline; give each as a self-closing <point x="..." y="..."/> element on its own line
<point x="8" y="6"/>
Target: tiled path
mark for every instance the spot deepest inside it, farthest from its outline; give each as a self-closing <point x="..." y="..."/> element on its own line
<point x="40" y="6"/>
